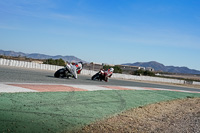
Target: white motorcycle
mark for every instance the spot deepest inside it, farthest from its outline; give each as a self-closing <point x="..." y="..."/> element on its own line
<point x="68" y="71"/>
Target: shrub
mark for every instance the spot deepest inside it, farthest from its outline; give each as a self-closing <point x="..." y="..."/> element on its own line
<point x="117" y="69"/>
<point x="59" y="62"/>
<point x="143" y="72"/>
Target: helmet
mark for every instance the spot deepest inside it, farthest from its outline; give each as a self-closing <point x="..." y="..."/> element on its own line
<point x="80" y="62"/>
<point x="111" y="69"/>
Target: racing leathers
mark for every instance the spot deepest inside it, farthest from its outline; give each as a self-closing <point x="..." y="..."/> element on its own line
<point x="107" y="74"/>
<point x="74" y="68"/>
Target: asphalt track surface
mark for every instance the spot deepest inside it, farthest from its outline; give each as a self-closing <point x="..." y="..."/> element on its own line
<point x="24" y="75"/>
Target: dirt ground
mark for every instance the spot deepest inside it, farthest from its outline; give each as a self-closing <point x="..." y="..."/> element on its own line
<point x="178" y="116"/>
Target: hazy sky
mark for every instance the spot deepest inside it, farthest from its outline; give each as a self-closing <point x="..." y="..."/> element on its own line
<point x="105" y="31"/>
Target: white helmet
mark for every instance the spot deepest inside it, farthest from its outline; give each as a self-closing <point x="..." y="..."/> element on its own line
<point x="111" y="69"/>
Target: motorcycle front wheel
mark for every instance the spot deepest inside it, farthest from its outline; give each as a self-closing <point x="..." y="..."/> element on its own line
<point x="60" y="73"/>
<point x="96" y="76"/>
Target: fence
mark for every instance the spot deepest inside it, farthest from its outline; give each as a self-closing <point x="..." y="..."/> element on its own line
<point x="34" y="65"/>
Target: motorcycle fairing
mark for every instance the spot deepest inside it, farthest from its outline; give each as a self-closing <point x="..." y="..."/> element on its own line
<point x="72" y="70"/>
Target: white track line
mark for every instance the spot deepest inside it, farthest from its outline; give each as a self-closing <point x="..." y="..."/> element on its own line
<point x="5" y="87"/>
<point x="90" y="87"/>
<point x="13" y="89"/>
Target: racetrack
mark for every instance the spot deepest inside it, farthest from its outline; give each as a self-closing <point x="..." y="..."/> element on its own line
<point x="68" y="111"/>
<point x="22" y="75"/>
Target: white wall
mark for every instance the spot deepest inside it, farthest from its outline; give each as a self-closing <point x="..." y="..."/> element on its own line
<point x="24" y="64"/>
<point x="147" y="78"/>
<point x="34" y="65"/>
<point x="196" y="83"/>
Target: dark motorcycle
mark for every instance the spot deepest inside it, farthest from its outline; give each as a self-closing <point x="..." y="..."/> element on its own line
<point x="98" y="76"/>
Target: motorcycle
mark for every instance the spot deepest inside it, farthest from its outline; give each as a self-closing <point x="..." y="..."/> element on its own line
<point x="68" y="71"/>
<point x="99" y="76"/>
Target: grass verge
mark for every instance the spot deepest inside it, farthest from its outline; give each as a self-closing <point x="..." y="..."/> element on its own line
<point x="68" y="111"/>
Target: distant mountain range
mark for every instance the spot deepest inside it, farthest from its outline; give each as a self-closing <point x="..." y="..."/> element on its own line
<point x="160" y="67"/>
<point x="40" y="56"/>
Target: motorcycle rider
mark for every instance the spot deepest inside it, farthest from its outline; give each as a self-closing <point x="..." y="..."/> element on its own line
<point x="75" y="68"/>
<point x="107" y="74"/>
<point x="79" y="66"/>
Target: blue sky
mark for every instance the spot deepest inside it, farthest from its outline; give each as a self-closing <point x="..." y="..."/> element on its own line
<point x="105" y="31"/>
